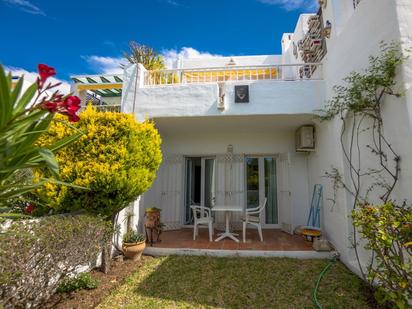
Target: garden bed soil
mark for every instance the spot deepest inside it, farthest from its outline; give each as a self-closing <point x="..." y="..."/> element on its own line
<point x="119" y="271"/>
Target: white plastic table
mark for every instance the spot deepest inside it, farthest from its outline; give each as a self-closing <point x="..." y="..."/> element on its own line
<point x="227" y="209"/>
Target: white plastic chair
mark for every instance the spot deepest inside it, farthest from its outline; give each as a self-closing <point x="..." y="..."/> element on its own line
<point x="202" y="216"/>
<point x="253" y="216"/>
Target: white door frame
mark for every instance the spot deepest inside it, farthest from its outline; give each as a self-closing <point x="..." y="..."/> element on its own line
<point x="261" y="166"/>
<point x="185" y="188"/>
<point x="202" y="182"/>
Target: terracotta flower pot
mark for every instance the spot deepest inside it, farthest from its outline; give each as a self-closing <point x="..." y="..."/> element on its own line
<point x="134" y="251"/>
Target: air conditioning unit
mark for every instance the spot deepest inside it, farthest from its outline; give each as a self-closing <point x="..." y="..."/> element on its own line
<point x="305" y="138"/>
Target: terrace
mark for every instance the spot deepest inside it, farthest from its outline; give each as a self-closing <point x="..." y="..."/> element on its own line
<point x="104" y="91"/>
<point x="285" y="72"/>
<point x="273" y="89"/>
<point x="199" y="91"/>
<point x="276" y="244"/>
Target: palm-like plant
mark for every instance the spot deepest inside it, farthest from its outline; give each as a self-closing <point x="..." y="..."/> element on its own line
<point x="145" y="55"/>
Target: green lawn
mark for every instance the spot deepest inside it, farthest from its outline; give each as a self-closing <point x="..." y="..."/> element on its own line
<point x="209" y="282"/>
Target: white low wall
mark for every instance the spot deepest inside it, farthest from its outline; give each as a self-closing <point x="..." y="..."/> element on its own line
<point x="213" y="62"/>
<point x="265" y="98"/>
<point x="121" y="222"/>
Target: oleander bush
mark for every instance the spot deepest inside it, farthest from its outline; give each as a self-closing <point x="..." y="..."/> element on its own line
<point x="116" y="159"/>
<point x="387" y="230"/>
<point x="37" y="255"/>
<point x="24" y="116"/>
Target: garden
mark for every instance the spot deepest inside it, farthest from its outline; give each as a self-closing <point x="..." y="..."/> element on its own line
<point x="211" y="282"/>
<point x="65" y="175"/>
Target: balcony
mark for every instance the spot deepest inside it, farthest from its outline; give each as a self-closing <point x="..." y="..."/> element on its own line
<point x="272" y="90"/>
<point x="288" y="72"/>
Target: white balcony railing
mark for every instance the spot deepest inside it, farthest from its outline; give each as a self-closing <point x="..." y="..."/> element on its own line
<point x="239" y="73"/>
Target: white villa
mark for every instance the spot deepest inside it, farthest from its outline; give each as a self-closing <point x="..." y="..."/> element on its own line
<point x="237" y="130"/>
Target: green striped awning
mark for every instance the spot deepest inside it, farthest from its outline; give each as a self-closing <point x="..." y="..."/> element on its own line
<point x="107" y="85"/>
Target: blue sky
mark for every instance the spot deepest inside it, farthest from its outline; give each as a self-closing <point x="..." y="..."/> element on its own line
<point x="89" y="36"/>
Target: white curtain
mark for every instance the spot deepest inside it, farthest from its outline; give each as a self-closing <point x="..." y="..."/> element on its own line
<point x="285" y="210"/>
<point x="167" y="191"/>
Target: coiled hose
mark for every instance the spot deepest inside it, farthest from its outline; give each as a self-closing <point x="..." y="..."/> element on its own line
<point x="323" y="272"/>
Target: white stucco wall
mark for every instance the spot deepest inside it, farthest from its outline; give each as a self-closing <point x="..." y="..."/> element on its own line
<point x="404" y="14"/>
<point x="287" y="46"/>
<point x="265" y="98"/>
<point x="122" y="221"/>
<point x="112" y="100"/>
<point x="348" y="50"/>
<point x="212" y="62"/>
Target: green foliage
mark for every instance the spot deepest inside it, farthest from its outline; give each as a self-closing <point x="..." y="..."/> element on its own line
<point x="133" y="237"/>
<point x="83" y="281"/>
<point x="145" y="55"/>
<point x="387" y="229"/>
<point x="363" y="91"/>
<point x="22" y="121"/>
<point x="116" y="160"/>
<point x="36" y="255"/>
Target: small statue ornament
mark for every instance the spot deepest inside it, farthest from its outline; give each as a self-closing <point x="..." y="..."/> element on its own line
<point x="152" y="225"/>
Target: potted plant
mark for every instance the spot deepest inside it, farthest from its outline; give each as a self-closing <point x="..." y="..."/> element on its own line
<point x="133" y="245"/>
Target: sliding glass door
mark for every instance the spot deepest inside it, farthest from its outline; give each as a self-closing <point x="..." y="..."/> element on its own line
<point x="208" y="193"/>
<point x="200" y="184"/>
<point x="252" y="182"/>
<point x="271" y="214"/>
<point x="261" y="183"/>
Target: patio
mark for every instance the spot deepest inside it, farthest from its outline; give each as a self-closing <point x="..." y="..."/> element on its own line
<point x="274" y="240"/>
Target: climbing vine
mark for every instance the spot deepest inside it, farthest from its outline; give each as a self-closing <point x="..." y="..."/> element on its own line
<point x="372" y="163"/>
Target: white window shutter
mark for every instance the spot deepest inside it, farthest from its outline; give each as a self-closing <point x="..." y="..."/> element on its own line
<point x="285" y="205"/>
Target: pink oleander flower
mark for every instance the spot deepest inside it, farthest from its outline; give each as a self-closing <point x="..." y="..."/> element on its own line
<point x="57" y="103"/>
<point x="69" y="106"/>
<point x="45" y="71"/>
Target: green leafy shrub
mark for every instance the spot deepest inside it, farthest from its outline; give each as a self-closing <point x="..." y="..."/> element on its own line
<point x="133" y="237"/>
<point x="83" y="281"/>
<point x="387" y="229"/>
<point x="116" y="160"/>
<point x="36" y="255"/>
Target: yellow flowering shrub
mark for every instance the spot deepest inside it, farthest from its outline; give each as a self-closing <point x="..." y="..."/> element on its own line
<point x="116" y="159"/>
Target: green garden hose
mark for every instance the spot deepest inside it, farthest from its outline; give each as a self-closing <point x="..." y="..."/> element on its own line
<point x="324" y="271"/>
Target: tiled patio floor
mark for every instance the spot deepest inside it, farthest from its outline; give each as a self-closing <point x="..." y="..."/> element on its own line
<point x="273" y="240"/>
